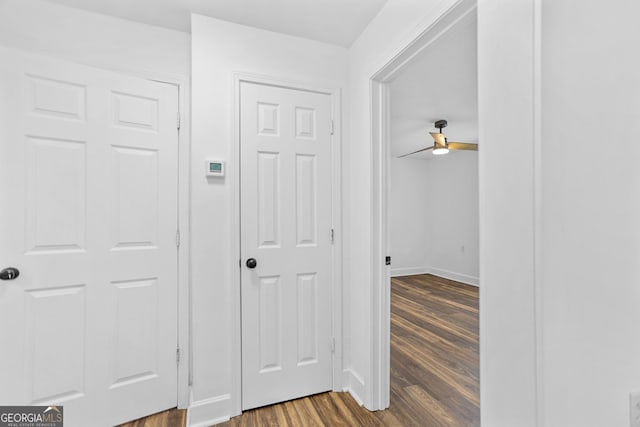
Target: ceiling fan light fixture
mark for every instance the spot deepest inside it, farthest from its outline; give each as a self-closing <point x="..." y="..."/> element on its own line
<point x="440" y="145"/>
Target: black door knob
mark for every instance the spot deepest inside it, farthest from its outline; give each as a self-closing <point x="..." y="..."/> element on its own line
<point x="251" y="263"/>
<point x="9" y="273"/>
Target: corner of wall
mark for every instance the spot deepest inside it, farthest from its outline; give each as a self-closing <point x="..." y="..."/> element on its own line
<point x="458" y="277"/>
<point x="410" y="271"/>
<point x="353" y="384"/>
<point x="446" y="274"/>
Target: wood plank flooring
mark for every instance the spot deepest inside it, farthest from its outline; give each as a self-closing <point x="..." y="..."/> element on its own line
<point x="434" y="368"/>
<point x="170" y="418"/>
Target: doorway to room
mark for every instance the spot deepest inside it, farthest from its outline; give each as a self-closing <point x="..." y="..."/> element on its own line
<point x="426" y="219"/>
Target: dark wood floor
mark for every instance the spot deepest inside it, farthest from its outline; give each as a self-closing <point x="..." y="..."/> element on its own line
<point x="434" y="368"/>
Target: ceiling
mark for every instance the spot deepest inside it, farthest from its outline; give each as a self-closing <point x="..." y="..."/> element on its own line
<point x="331" y="21"/>
<point x="441" y="83"/>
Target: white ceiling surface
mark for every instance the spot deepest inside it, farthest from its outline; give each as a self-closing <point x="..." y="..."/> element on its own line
<point x="440" y="84"/>
<point x="331" y="21"/>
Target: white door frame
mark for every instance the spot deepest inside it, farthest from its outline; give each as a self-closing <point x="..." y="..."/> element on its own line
<point x="233" y="175"/>
<point x="185" y="341"/>
<point x="184" y="344"/>
<point x="380" y="150"/>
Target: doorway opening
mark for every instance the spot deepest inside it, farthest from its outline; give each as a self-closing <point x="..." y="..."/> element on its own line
<point x="425" y="210"/>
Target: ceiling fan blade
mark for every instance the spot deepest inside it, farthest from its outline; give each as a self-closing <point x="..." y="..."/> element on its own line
<point x="438" y="138"/>
<point x="417" y="151"/>
<point x="463" y="146"/>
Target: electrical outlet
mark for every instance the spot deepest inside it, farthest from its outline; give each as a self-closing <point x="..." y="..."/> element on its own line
<point x="634" y="408"/>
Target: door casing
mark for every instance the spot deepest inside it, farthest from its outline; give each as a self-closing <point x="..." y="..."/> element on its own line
<point x="233" y="175"/>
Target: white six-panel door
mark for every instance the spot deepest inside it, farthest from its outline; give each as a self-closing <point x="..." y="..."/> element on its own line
<point x="88" y="187"/>
<point x="286" y="227"/>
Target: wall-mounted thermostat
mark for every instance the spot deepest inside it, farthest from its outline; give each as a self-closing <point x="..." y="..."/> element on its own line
<point x="215" y="167"/>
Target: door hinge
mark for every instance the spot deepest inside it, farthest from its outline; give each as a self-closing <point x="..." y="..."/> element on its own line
<point x="332" y="236"/>
<point x="333" y="345"/>
<point x="178" y="120"/>
<point x="177" y="355"/>
<point x="177" y="238"/>
<point x="331" y="127"/>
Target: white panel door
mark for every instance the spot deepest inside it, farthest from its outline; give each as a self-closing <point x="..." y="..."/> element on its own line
<point x="286" y="227"/>
<point x="88" y="186"/>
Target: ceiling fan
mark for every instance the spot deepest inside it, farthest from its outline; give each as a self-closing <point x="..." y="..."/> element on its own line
<point x="440" y="143"/>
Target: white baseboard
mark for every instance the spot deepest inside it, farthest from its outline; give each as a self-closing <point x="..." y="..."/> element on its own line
<point x="458" y="277"/>
<point x="354" y="385"/>
<point x="409" y="271"/>
<point x="208" y="412"/>
<point x="451" y="275"/>
<point x="216" y="410"/>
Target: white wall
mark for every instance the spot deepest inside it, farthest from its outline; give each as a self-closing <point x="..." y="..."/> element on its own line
<point x="221" y="49"/>
<point x="408" y="225"/>
<point x="590" y="211"/>
<point x="559" y="214"/>
<point x="507" y="115"/>
<point x="453" y="215"/>
<point x="433" y="216"/>
<point x="93" y="39"/>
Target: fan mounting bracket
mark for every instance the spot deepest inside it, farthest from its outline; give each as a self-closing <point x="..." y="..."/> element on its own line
<point x="440" y="124"/>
